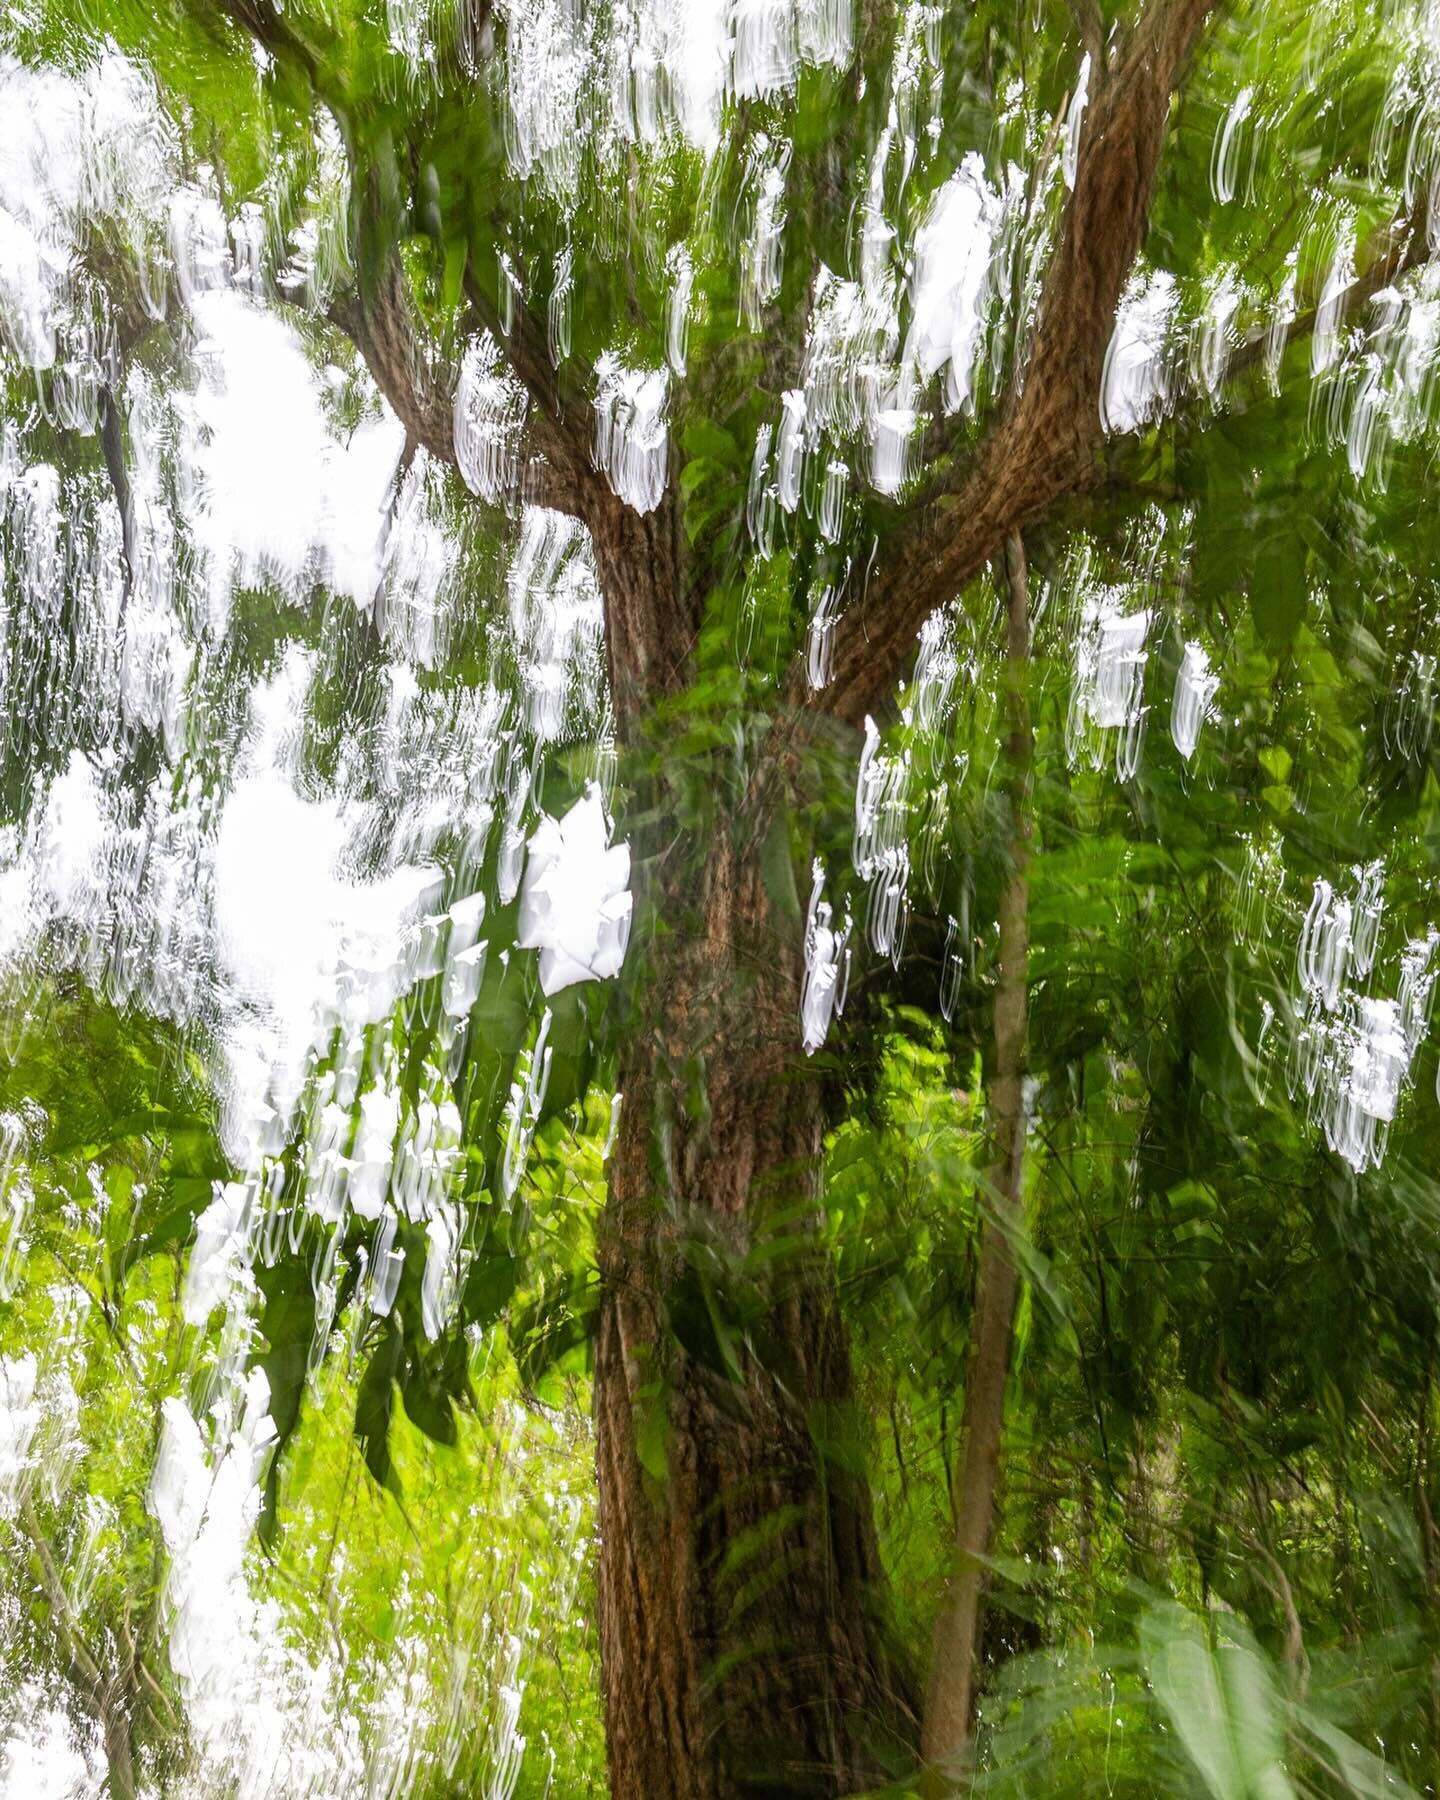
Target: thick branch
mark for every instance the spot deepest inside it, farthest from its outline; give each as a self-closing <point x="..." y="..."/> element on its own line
<point x="269" y="27"/>
<point x="1404" y="245"/>
<point x="647" y="640"/>
<point x="112" y="447"/>
<point x="1044" y="444"/>
<point x="378" y="320"/>
<point x="382" y="328"/>
<point x="558" y="427"/>
<point x="648" y="634"/>
<point x="1090" y="22"/>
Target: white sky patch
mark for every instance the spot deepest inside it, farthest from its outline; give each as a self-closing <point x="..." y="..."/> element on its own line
<point x="881" y="844"/>
<point x="1214" y="333"/>
<point x="1195" y="690"/>
<point x="198" y="241"/>
<point x="790" y="448"/>
<point x="219" y="1252"/>
<point x="71" y="148"/>
<point x="47" y="1757"/>
<point x="762" y="249"/>
<point x="632" y="439"/>
<point x="1225" y="159"/>
<point x="663" y="69"/>
<point x="681" y="269"/>
<point x="1323" y="957"/>
<point x="27" y="308"/>
<point x="19" y="1416"/>
<point x="545" y="76"/>
<point x="305" y="946"/>
<point x="1379" y="1059"/>
<point x="488" y="418"/>
<point x="1353" y="1050"/>
<point x="669" y="70"/>
<point x="74" y="839"/>
<point x="827" y="966"/>
<point x="557" y="615"/>
<point x="1107" y="693"/>
<point x="850" y="371"/>
<point x="1135" y="388"/>
<point x="575" y="905"/>
<point x="766" y="53"/>
<point x="1356" y="1067"/>
<point x="953" y="250"/>
<point x="262" y="1716"/>
<point x="772" y="38"/>
<point x="283" y="500"/>
<point x="1325" y="340"/>
<point x="1074" y="122"/>
<point x="1390" y="382"/>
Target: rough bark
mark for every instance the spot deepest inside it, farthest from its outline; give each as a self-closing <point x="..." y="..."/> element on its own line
<point x="954" y="1664"/>
<point x="649" y="634"/>
<point x="740" y="1650"/>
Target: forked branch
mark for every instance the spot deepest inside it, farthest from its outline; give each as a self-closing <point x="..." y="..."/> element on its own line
<point x="378" y="315"/>
<point x="648" y="631"/>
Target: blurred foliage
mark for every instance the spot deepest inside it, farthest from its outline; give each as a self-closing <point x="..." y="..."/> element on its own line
<point x="1217" y="1569"/>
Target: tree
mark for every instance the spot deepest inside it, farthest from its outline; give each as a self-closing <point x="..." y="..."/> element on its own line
<point x="478" y="178"/>
<point x="720" y="1014"/>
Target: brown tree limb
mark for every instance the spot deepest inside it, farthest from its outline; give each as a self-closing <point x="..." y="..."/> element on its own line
<point x="647" y="633"/>
<point x="954" y="1661"/>
<point x="1090" y="23"/>
<point x="272" y="31"/>
<point x="382" y="328"/>
<point x="112" y="449"/>
<point x="378" y="315"/>
<point x="1044" y="443"/>
<point x="1404" y="244"/>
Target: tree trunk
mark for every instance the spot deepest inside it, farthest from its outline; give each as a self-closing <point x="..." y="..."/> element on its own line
<point x="954" y="1662"/>
<point x="737" y="1554"/>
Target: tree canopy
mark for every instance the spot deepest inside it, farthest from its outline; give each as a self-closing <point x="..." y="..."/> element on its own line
<point x="718" y="848"/>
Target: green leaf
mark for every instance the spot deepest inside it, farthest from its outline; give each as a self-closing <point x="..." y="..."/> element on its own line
<point x="777" y="868"/>
<point x="374" y="1405"/>
<point x="427" y="1402"/>
<point x="489" y="1286"/>
<point x="1277" y="589"/>
<point x="287" y="1320"/>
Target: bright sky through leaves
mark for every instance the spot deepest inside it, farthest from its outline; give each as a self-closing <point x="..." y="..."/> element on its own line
<point x="677" y="678"/>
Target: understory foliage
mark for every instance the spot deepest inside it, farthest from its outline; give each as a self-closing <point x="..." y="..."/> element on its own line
<point x="536" y="539"/>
